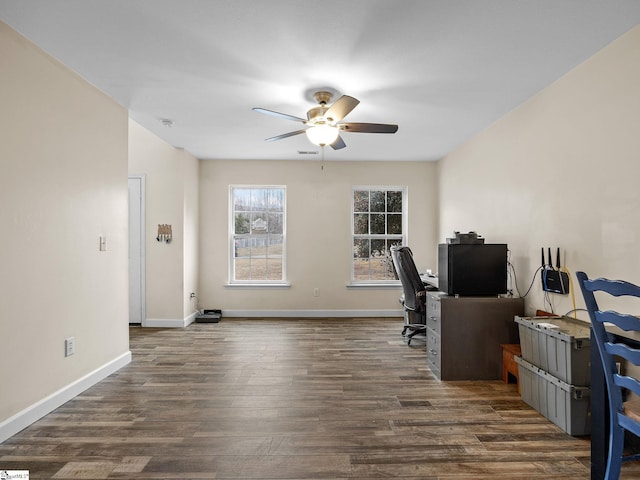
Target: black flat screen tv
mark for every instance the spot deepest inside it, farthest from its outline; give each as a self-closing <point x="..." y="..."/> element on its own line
<point x="472" y="269"/>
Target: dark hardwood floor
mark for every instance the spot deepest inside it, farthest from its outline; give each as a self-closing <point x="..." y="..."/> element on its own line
<point x="291" y="399"/>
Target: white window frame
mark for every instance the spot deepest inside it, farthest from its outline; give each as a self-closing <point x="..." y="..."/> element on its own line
<point x="231" y="240"/>
<point x="402" y="238"/>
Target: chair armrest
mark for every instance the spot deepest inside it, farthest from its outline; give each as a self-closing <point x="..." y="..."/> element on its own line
<point x="421" y="296"/>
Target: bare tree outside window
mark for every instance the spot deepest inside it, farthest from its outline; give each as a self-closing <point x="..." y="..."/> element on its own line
<point x="258" y="234"/>
<point x="378" y="224"/>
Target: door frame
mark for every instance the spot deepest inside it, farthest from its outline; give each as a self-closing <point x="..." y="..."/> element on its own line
<point x="143" y="247"/>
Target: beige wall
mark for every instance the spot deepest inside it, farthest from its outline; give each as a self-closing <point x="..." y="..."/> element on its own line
<point x="562" y="171"/>
<point x="318" y="232"/>
<point x="191" y="230"/>
<point x="63" y="170"/>
<point x="171" y="182"/>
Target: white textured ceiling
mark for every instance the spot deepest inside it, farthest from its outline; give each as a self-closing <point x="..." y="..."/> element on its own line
<point x="443" y="70"/>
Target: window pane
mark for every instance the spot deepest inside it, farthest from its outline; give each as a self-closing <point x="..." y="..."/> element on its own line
<point x="241" y="247"/>
<point x="258" y="223"/>
<point x="361" y="269"/>
<point x="361" y="201"/>
<point x="361" y="223"/>
<point x="258" y="268"/>
<point x="241" y="199"/>
<point x="274" y="268"/>
<point x="276" y="200"/>
<point x="394" y="224"/>
<point x="392" y="270"/>
<point x="275" y="223"/>
<point x="378" y="247"/>
<point x="394" y="201"/>
<point x="361" y="248"/>
<point x="241" y="223"/>
<point x="275" y="246"/>
<point x="393" y="243"/>
<point x="242" y="269"/>
<point x="377" y="201"/>
<point x="259" y="198"/>
<point x="377" y="224"/>
<point x="378" y="268"/>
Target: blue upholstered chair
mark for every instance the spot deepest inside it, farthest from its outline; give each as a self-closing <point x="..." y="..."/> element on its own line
<point x="624" y="415"/>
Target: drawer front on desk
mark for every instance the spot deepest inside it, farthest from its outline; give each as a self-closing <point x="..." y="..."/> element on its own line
<point x="433" y="313"/>
<point x="434" y="357"/>
<point x="434" y="370"/>
<point x="433" y="323"/>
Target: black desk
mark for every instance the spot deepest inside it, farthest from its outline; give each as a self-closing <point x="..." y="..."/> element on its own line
<point x="600" y="406"/>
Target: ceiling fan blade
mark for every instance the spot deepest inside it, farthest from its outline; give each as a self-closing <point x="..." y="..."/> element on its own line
<point x="278" y="114"/>
<point x="368" y="127"/>
<point x="341" y="108"/>
<point x="338" y="144"/>
<point x="285" y="135"/>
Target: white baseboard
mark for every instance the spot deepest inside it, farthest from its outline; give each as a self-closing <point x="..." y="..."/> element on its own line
<point x="170" y="322"/>
<point x="29" y="415"/>
<point x="190" y="319"/>
<point x="312" y="313"/>
<point x="177" y="323"/>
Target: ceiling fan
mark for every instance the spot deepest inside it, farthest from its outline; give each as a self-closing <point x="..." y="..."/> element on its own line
<point x="324" y="123"/>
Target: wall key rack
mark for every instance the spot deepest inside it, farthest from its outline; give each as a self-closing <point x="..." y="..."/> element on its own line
<point x="164" y="233"/>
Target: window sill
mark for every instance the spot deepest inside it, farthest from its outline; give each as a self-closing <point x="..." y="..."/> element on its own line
<point x="259" y="285"/>
<point x="374" y="285"/>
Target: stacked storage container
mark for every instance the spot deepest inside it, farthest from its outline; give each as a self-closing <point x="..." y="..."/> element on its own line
<point x="554" y="370"/>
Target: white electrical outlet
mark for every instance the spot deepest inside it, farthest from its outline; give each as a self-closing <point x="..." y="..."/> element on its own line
<point x="69" y="346"/>
<point x="316" y="292"/>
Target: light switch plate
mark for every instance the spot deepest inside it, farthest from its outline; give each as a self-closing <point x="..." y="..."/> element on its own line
<point x="69" y="346"/>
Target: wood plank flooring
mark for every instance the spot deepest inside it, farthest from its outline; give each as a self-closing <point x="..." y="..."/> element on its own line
<point x="291" y="399"/>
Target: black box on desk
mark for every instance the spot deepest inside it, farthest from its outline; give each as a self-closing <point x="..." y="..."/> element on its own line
<point x="209" y="316"/>
<point x="472" y="269"/>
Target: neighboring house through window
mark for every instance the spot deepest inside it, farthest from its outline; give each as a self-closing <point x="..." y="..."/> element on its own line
<point x="379" y="222"/>
<point x="257" y="240"/>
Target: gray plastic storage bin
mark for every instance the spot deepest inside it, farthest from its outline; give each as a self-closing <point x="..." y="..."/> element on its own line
<point x="558" y="345"/>
<point x="565" y="405"/>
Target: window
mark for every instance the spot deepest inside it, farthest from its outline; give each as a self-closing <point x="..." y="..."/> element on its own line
<point x="258" y="226"/>
<point x="378" y="224"/>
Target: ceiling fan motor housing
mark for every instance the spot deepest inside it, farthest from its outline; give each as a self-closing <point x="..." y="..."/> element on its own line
<point x="316" y="113"/>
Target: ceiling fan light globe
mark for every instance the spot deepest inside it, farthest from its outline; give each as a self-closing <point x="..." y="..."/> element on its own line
<point x="322" y="135"/>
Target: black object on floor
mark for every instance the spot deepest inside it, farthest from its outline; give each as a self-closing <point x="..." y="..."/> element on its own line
<point x="209" y="316"/>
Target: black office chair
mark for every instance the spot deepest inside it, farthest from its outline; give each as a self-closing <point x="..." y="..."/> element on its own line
<point x="414" y="298"/>
<point x="623" y="415"/>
